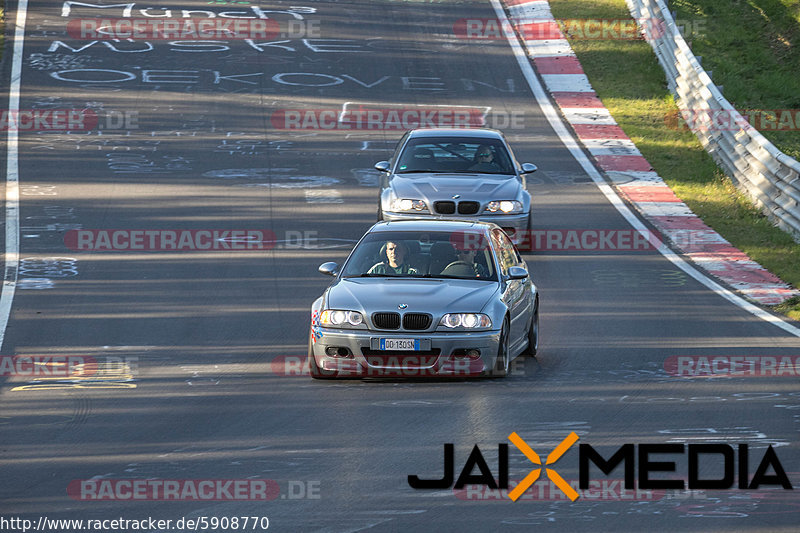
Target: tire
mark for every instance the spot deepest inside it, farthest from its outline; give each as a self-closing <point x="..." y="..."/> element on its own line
<point x="502" y="362"/>
<point x="533" y="332"/>
<point x="315" y="371"/>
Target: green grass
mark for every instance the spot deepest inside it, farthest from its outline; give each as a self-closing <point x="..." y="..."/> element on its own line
<point x="631" y="83"/>
<point x="790" y="308"/>
<point x="753" y="49"/>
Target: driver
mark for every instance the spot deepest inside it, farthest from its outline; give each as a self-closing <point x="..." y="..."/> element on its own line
<point x="484" y="160"/>
<point x="468" y="256"/>
<point x="395" y="254"/>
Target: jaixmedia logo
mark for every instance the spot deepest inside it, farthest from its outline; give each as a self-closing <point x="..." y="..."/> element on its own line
<point x="641" y="469"/>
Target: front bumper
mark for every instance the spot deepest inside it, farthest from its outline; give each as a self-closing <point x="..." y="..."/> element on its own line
<point x="446" y="357"/>
<point x="516" y="226"/>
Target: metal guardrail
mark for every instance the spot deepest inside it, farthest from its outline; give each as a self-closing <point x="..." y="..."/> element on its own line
<point x="767" y="175"/>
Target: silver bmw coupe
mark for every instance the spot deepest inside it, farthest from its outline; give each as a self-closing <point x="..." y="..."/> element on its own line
<point x="456" y="173"/>
<point x="420" y="298"/>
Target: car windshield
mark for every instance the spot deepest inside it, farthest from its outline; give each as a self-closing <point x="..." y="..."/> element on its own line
<point x="457" y="155"/>
<point x="430" y="254"/>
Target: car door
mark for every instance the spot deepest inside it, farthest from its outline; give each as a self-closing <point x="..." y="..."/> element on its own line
<point x="516" y="294"/>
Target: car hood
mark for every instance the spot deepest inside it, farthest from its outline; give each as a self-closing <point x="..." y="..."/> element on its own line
<point x="434" y="296"/>
<point x="477" y="187"/>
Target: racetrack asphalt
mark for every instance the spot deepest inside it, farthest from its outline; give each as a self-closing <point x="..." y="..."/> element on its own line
<point x="189" y="383"/>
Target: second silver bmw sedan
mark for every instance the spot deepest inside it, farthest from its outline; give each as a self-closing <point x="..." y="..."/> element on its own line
<point x="423" y="298"/>
<point x="456" y="173"/>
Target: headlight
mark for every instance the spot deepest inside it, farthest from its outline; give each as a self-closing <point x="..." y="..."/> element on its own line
<point x="405" y="204"/>
<point x="504" y="206"/>
<point x="340" y="319"/>
<point x="466" y="320"/>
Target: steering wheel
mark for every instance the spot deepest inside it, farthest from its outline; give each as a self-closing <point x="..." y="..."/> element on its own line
<point x="457" y="263"/>
<point x="483" y="165"/>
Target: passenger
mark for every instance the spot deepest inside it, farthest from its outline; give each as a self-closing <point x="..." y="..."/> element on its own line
<point x="484" y="160"/>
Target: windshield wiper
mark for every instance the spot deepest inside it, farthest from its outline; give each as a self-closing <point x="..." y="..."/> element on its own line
<point x="502" y="173"/>
<point x="381" y="275"/>
<point x="420" y="171"/>
<point x="445" y="276"/>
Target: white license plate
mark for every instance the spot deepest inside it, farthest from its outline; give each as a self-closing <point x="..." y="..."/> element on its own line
<point x="400" y="344"/>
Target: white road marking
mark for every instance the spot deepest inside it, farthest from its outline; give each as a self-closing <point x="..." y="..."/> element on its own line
<point x="35" y="283"/>
<point x="574" y="148"/>
<point x="324" y="196"/>
<point x="568" y="83"/>
<point x="12" y="175"/>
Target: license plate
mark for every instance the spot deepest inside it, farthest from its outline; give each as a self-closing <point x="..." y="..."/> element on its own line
<point x="400" y="344"/>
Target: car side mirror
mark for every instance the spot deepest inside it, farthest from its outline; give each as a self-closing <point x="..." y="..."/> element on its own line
<point x="383" y="166"/>
<point x="517" y="273"/>
<point x="329" y="269"/>
<point x="527" y="168"/>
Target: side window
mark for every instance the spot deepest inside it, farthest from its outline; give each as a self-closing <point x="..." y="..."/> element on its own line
<point x="503" y="158"/>
<point x="511" y="155"/>
<point x="505" y="250"/>
<point x="397" y="147"/>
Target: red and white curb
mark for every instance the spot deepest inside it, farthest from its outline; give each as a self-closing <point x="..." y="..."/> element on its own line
<point x="632" y="175"/>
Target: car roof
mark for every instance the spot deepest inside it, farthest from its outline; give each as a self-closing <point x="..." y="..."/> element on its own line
<point x="477" y="133"/>
<point x="436" y="224"/>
